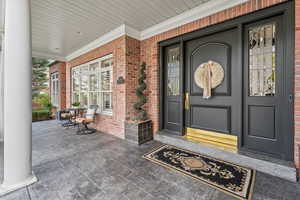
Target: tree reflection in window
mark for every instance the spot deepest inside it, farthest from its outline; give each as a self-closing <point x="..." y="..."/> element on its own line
<point x="262" y="60"/>
<point x="173" y="71"/>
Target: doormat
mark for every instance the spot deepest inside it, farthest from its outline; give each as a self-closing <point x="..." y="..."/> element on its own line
<point x="227" y="177"/>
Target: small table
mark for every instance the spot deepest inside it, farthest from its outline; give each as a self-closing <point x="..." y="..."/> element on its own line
<point x="76" y="111"/>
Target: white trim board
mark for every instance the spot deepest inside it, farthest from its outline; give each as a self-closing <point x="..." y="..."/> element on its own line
<point x="204" y="10"/>
<point x="108" y="37"/>
<point x="201" y="11"/>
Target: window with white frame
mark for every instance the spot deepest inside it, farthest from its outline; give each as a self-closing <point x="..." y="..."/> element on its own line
<point x="55" y="89"/>
<point x="92" y="84"/>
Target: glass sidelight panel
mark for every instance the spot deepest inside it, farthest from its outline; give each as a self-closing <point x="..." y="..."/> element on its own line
<point x="262" y="60"/>
<point x="173" y="71"/>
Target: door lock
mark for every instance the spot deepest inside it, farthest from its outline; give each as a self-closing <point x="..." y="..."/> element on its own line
<point x="187" y="101"/>
<point x="290" y="98"/>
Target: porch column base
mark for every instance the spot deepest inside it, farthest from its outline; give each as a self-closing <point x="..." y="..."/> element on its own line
<point x="5" y="189"/>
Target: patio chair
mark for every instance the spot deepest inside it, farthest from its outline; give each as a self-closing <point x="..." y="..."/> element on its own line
<point x="67" y="117"/>
<point x="83" y="122"/>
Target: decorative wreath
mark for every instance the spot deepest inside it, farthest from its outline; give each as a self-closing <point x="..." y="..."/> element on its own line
<point x="217" y="74"/>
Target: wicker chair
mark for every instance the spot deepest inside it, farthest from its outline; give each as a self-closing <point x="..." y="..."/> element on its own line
<point x="88" y="118"/>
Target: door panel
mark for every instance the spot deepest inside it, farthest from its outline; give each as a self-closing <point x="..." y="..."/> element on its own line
<point x="264" y="93"/>
<point x="261" y="121"/>
<point x="172" y="89"/>
<point x="222" y="112"/>
<point x="212" y="114"/>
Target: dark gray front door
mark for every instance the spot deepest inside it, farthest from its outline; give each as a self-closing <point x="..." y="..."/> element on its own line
<point x="254" y="101"/>
<point x="264" y="87"/>
<point x="222" y="112"/>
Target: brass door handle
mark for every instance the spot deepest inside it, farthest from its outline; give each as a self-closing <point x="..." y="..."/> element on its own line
<point x="187" y="101"/>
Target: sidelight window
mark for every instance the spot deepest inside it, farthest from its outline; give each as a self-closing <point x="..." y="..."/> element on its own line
<point x="262" y="60"/>
<point x="173" y="71"/>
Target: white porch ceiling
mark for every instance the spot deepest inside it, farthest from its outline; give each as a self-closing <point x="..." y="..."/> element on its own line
<point x="61" y="27"/>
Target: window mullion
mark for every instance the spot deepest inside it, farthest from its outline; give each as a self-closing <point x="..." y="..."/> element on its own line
<point x="100" y="86"/>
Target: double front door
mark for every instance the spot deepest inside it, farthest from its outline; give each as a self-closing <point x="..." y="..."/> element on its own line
<point x="230" y="82"/>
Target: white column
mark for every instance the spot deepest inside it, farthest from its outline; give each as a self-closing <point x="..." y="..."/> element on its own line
<point x="1" y="67"/>
<point x="17" y="96"/>
<point x="1" y="82"/>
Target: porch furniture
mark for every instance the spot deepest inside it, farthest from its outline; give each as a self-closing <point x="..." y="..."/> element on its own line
<point x="70" y="115"/>
<point x="88" y="118"/>
<point x="67" y="117"/>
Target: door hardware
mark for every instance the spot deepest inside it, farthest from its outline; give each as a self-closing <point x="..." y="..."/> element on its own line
<point x="187" y="101"/>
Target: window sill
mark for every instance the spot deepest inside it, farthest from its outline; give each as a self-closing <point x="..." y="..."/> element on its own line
<point x="105" y="113"/>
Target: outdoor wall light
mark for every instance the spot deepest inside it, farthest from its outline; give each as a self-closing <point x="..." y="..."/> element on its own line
<point x="121" y="80"/>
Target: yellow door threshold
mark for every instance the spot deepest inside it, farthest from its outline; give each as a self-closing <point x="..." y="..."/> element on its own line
<point x="212" y="139"/>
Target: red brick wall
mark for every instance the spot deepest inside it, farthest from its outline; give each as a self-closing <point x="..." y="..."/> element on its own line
<point x="133" y="51"/>
<point x="109" y="124"/>
<point x="297" y="82"/>
<point x="149" y="47"/>
<point x="59" y="67"/>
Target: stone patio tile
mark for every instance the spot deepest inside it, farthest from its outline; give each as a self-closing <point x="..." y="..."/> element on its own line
<point x="39" y="191"/>
<point x="133" y="192"/>
<point x="103" y="167"/>
<point x="162" y="190"/>
<point x="113" y="184"/>
<point x="110" y="196"/>
<point x="270" y="187"/>
<point x="144" y="179"/>
<point x="222" y="196"/>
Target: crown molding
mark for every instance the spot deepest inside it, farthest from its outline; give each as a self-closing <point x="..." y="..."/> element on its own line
<point x="129" y="31"/>
<point x="110" y="36"/>
<point x="201" y="11"/>
<point x="48" y="56"/>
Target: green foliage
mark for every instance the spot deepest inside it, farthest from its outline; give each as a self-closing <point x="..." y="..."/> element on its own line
<point x="39" y="75"/>
<point x="76" y="104"/>
<point x="44" y="100"/>
<point x="39" y="115"/>
<point x="43" y="113"/>
<point x="138" y="106"/>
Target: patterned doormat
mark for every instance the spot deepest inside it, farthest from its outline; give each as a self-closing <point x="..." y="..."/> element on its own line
<point x="227" y="177"/>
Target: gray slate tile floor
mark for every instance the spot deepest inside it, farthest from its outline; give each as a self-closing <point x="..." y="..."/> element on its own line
<point x="103" y="167"/>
